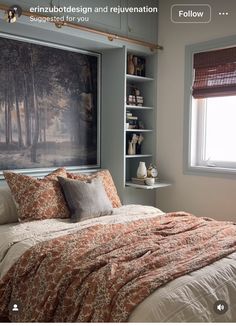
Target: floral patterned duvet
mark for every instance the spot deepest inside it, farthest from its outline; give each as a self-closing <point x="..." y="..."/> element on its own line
<point x="102" y="272"/>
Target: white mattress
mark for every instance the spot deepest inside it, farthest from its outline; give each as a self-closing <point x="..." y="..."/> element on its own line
<point x="188" y="298"/>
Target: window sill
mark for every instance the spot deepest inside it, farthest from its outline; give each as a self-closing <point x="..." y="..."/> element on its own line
<point x="211" y="171"/>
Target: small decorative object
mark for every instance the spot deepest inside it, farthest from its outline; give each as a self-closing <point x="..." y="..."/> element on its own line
<point x="130" y="66"/>
<point x="142" y="170"/>
<point x="152" y="171"/>
<point x="135" y="139"/>
<point x="135" y="65"/>
<point x="141" y="125"/>
<point x="135" y="61"/>
<point x="138" y="145"/>
<point x="149" y="181"/>
<point x="132" y="145"/>
<point x="130" y="148"/>
<point x="141" y="67"/>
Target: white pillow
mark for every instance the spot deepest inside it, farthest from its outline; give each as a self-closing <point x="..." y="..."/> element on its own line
<point x="8" y="209"/>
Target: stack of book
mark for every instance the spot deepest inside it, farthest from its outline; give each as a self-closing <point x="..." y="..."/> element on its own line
<point x="139" y="100"/>
<point x="131" y="120"/>
<point x="142" y="181"/>
<point x="131" y="100"/>
<point x="136" y="100"/>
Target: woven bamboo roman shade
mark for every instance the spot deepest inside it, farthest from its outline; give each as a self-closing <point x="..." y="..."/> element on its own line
<point x="215" y="73"/>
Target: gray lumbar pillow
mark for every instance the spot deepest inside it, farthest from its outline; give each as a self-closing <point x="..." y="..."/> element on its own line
<point x="86" y="199"/>
<point x="8" y="208"/>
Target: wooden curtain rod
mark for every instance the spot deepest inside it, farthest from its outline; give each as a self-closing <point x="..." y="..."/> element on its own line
<point x="111" y="37"/>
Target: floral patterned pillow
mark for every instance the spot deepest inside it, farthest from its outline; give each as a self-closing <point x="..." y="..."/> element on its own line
<point x="107" y="181"/>
<point x="38" y="199"/>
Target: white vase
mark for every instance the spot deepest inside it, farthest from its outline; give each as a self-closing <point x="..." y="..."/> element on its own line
<point x="130" y="149"/>
<point x="142" y="170"/>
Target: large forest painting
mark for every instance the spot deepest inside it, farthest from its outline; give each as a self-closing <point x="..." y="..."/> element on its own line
<point x="48" y="106"/>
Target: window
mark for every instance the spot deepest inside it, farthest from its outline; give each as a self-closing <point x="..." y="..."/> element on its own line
<point x="214" y="127"/>
<point x="213" y="111"/>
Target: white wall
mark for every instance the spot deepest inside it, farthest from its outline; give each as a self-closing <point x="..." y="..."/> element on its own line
<point x="201" y="195"/>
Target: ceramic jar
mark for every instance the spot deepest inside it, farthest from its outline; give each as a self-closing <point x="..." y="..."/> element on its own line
<point x="142" y="170"/>
<point x="150" y="181"/>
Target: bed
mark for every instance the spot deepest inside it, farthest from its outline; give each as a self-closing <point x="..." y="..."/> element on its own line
<point x="70" y="252"/>
<point x="186" y="298"/>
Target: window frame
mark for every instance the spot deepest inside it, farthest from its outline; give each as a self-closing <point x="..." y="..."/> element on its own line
<point x="192" y="165"/>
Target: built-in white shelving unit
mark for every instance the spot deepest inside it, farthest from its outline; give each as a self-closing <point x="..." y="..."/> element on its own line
<point x="147" y="114"/>
<point x="116" y="86"/>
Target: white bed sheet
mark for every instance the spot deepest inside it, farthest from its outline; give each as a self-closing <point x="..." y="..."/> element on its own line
<point x="189" y="298"/>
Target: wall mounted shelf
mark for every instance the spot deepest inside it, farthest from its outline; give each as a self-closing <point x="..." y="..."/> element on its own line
<point x="140" y="155"/>
<point x="138" y="130"/>
<point x="138" y="78"/>
<point x="135" y="107"/>
<point x="159" y="184"/>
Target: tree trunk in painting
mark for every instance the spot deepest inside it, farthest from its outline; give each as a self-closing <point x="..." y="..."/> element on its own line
<point x="36" y="113"/>
<point x="27" y="113"/>
<point x="20" y="138"/>
<point x="45" y="125"/>
<point x="75" y="119"/>
<point x="9" y="126"/>
<point x="6" y="118"/>
<point x="93" y="90"/>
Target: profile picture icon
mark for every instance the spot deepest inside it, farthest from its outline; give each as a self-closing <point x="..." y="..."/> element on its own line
<point x="12" y="13"/>
<point x="11" y="16"/>
<point x="15" y="307"/>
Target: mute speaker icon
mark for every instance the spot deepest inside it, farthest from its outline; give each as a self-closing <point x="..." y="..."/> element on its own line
<point x="220" y="307"/>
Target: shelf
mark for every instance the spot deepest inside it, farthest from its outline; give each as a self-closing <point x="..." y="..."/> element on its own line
<point x="159" y="184"/>
<point x="135" y="107"/>
<point x="140" y="155"/>
<point x="138" y="78"/>
<point x="139" y="130"/>
<point x="146" y="114"/>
